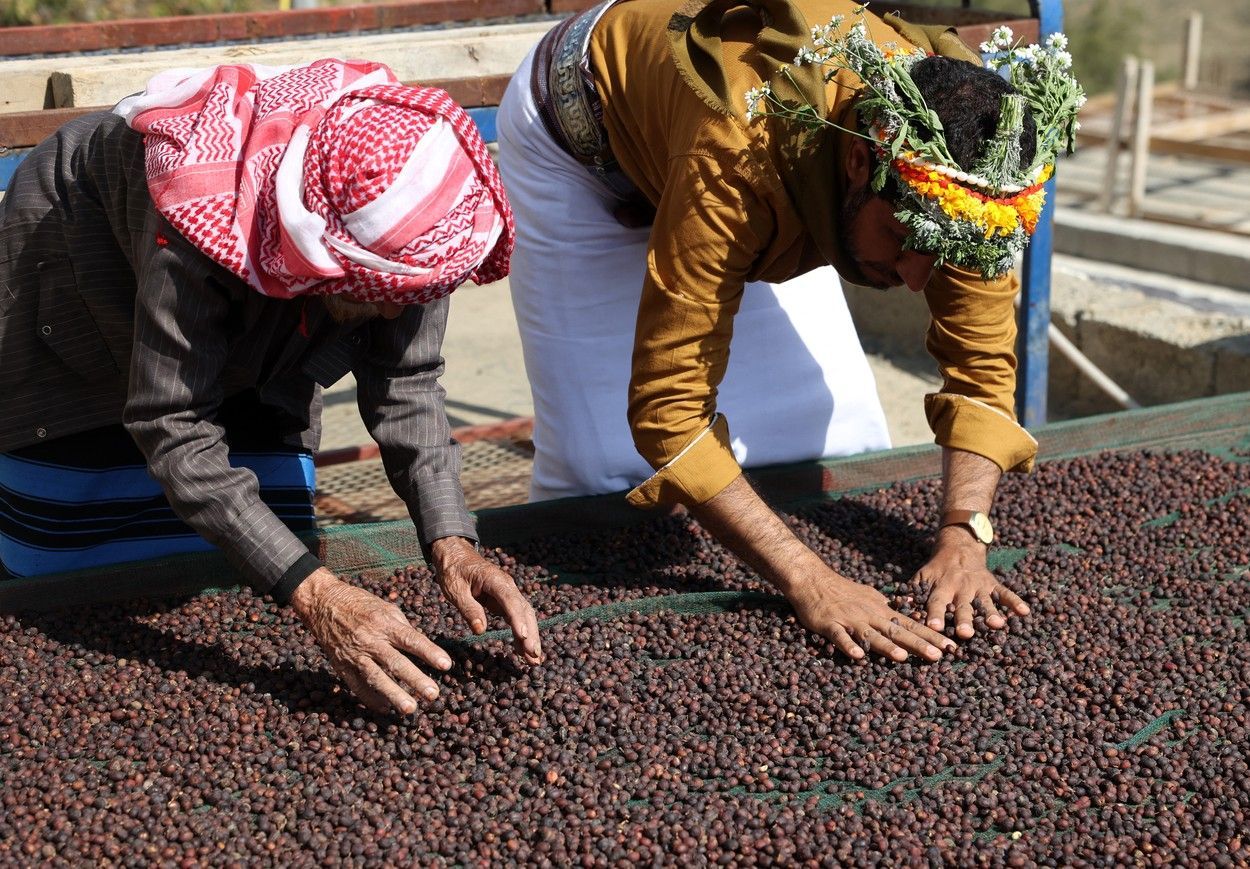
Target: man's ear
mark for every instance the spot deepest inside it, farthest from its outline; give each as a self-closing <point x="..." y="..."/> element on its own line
<point x="858" y="164"/>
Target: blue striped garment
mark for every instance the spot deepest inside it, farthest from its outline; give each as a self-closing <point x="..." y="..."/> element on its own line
<point x="57" y="517"/>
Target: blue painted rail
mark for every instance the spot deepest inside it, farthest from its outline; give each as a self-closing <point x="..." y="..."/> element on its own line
<point x="1033" y="376"/>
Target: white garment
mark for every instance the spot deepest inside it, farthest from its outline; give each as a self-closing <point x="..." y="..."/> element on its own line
<point x="797" y="385"/>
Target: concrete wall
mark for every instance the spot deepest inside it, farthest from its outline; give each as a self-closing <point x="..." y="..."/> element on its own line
<point x="1162" y="339"/>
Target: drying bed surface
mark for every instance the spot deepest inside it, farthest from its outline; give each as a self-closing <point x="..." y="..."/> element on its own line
<point x="682" y="714"/>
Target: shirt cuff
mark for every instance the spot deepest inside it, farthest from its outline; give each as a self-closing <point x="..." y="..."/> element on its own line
<point x="964" y="423"/>
<point x="284" y="588"/>
<point x="438" y="510"/>
<point x="699" y="472"/>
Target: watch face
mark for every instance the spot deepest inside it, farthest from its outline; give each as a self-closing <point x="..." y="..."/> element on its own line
<point x="981" y="526"/>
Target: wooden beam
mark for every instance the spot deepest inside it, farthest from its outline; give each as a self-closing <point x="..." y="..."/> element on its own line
<point x="1141" y="136"/>
<point x="26" y="129"/>
<point x="1205" y="150"/>
<point x="1204" y="127"/>
<point x="462" y="52"/>
<point x="252" y="26"/>
<point x="1126" y="88"/>
<point x="1193" y="50"/>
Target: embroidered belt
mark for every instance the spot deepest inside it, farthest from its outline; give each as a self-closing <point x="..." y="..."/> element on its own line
<point x="564" y="91"/>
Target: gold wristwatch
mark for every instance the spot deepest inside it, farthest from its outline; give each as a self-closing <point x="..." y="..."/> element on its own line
<point x="974" y="520"/>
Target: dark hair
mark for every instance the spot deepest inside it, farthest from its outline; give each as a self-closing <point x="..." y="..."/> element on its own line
<point x="966" y="98"/>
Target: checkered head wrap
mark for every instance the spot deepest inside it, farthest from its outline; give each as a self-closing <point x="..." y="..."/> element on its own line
<point x="325" y="178"/>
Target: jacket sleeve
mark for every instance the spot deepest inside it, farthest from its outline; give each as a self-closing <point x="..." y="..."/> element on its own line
<point x="402" y="405"/>
<point x="709" y="227"/>
<point x="180" y="345"/>
<point x="972" y="336"/>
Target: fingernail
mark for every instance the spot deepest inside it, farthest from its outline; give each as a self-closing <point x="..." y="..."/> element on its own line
<point x="444" y="663"/>
<point x="407" y="708"/>
<point x="431" y="693"/>
<point x="478" y="626"/>
<point x="935" y="624"/>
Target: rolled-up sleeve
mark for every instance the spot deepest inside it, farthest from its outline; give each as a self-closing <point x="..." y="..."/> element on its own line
<point x="972" y="336"/>
<point x="708" y="230"/>
<point x="182" y="319"/>
<point x="403" y="406"/>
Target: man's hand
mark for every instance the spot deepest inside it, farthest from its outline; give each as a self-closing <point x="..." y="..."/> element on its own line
<point x="854" y="617"/>
<point x="473" y="585"/>
<point x="365" y="638"/>
<point x="957" y="579"/>
<point x="857" y="618"/>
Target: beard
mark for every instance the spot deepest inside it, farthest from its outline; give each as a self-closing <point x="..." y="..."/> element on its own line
<point x="344" y="310"/>
<point x="848" y="218"/>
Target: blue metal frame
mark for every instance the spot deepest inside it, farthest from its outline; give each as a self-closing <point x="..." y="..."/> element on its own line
<point x="1033" y="374"/>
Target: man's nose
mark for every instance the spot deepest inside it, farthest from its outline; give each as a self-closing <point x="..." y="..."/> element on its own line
<point x="916" y="270"/>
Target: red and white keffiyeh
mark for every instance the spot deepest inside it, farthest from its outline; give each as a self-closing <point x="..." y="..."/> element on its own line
<point x="325" y="178"/>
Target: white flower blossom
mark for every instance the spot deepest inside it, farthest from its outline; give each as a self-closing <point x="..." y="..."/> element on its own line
<point x="754" y="97"/>
<point x="1057" y="41"/>
<point x="1000" y="40"/>
<point x="1029" y="55"/>
<point x="806" y="55"/>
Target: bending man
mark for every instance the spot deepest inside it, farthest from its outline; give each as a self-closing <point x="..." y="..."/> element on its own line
<point x="662" y="211"/>
<point x="180" y="278"/>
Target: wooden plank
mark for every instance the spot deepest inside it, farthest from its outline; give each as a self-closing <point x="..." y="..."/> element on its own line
<point x="24" y="129"/>
<point x="1141" y="136"/>
<point x="27" y="129"/>
<point x="91" y="80"/>
<point x="251" y="26"/>
<point x="1126" y="87"/>
<point x="1192" y="51"/>
<point x="1206" y="150"/>
<point x="1208" y="126"/>
<point x="461" y="53"/>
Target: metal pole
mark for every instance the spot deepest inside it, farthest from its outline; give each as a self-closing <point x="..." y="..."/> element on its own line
<point x="1084" y="365"/>
<point x="1033" y="376"/>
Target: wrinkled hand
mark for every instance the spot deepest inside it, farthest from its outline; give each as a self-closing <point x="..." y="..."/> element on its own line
<point x="858" y="619"/>
<point x="957" y="579"/>
<point x="474" y="586"/>
<point x="364" y="637"/>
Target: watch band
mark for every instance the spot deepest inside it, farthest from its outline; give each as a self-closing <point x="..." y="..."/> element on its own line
<point x="974" y="520"/>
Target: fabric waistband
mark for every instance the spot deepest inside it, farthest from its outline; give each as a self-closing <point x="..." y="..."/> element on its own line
<point x="564" y="92"/>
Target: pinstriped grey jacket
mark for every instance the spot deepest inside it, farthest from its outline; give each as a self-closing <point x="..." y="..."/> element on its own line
<point x="108" y="315"/>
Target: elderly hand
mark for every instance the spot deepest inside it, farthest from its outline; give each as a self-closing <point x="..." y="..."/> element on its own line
<point x="956" y="578"/>
<point x="858" y="618"/>
<point x="364" y="637"/>
<point x="473" y="585"/>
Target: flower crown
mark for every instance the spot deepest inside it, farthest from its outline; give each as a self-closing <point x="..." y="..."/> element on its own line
<point x="980" y="217"/>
